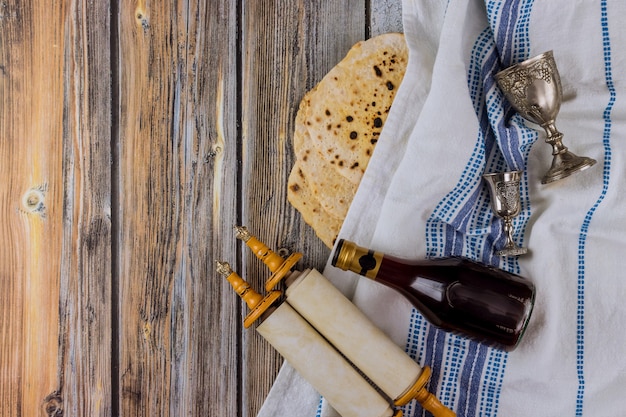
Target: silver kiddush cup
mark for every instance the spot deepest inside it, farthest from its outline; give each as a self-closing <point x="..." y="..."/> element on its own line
<point x="505" y="202"/>
<point x="533" y="88"/>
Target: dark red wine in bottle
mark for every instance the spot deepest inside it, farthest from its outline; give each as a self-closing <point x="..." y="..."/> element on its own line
<point x="458" y="295"/>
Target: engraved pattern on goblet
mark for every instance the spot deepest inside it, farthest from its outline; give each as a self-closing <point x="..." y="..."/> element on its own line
<point x="519" y="78"/>
<point x="505" y="202"/>
<point x="533" y="88"/>
<point x="508" y="194"/>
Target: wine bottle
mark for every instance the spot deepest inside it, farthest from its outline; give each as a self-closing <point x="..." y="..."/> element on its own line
<point x="456" y="294"/>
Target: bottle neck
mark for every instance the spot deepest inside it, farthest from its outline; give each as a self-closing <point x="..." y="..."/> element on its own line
<point x="350" y="257"/>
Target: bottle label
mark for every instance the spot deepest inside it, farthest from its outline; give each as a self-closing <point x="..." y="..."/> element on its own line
<point x="370" y="263"/>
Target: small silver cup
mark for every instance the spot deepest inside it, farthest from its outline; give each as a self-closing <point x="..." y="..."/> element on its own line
<point x="533" y="88"/>
<point x="505" y="202"/>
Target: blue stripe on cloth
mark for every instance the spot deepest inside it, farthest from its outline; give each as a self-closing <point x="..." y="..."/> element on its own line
<point x="502" y="15"/>
<point x="492" y="383"/>
<point x="414" y="347"/>
<point x="416" y="327"/>
<point x="582" y="240"/>
<point x="456" y="354"/>
<point x="318" y="412"/>
<point x="468" y="376"/>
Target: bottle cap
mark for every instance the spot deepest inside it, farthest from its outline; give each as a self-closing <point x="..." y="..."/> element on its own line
<point x="344" y="252"/>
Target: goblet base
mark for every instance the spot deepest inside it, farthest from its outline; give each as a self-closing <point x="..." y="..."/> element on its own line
<point x="513" y="251"/>
<point x="565" y="164"/>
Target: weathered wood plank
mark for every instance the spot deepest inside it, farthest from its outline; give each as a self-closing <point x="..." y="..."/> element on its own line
<point x="86" y="277"/>
<point x="288" y="46"/>
<point x="177" y="185"/>
<point x="205" y="312"/>
<point x="31" y="204"/>
<point x="55" y="154"/>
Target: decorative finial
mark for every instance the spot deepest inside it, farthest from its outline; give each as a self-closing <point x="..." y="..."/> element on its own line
<point x="255" y="301"/>
<point x="223" y="268"/>
<point x="242" y="233"/>
<point x="276" y="263"/>
<point x="241" y="287"/>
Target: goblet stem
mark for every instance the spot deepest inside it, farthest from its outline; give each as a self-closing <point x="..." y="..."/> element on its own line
<point x="508" y="231"/>
<point x="564" y="162"/>
<point x="510" y="248"/>
<point x="554" y="138"/>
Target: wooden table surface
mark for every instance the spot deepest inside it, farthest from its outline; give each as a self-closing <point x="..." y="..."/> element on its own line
<point x="133" y="136"/>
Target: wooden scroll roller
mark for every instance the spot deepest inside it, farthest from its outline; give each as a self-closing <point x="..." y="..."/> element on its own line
<point x="280" y="267"/>
<point x="336" y="318"/>
<point x="309" y="354"/>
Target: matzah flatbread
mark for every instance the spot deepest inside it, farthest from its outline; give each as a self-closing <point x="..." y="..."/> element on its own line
<point x="337" y="127"/>
<point x="326" y="226"/>
<point x="348" y="108"/>
<point x="334" y="192"/>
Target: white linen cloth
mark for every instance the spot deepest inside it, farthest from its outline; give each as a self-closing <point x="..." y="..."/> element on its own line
<point x="422" y="196"/>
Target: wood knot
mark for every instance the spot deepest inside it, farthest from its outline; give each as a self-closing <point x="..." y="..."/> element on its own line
<point x="212" y="154"/>
<point x="142" y="20"/>
<point x="53" y="405"/>
<point x="33" y="200"/>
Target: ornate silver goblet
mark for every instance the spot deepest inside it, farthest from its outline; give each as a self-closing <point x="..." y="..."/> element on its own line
<point x="505" y="202"/>
<point x="533" y="88"/>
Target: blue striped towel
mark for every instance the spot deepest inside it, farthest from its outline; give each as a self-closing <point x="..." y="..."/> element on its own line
<point x="422" y="196"/>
